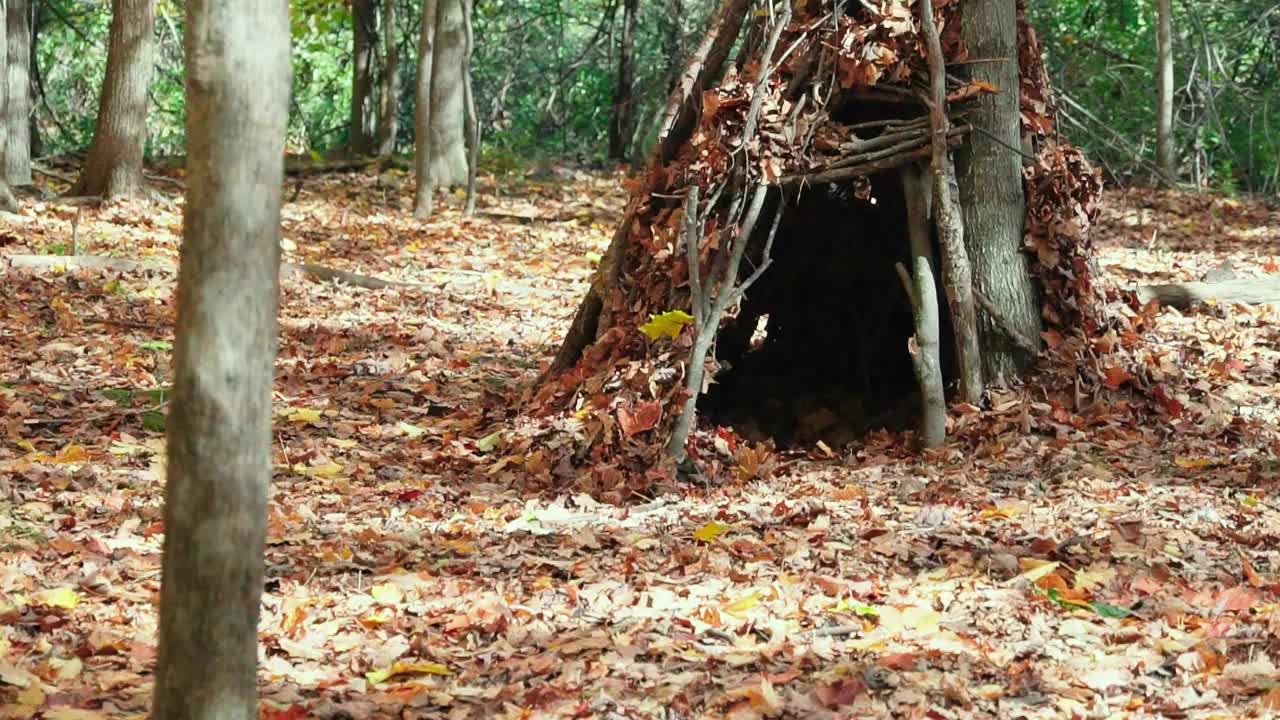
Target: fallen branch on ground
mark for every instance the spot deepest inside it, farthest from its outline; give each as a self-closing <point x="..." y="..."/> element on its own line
<point x="1246" y="291"/>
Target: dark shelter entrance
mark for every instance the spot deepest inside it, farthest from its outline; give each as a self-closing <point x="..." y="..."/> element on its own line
<point x="819" y="348"/>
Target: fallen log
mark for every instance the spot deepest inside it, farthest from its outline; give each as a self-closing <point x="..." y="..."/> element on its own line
<point x="1244" y="291"/>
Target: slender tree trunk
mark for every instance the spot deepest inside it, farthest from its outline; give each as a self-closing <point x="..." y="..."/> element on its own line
<point x="469" y="117"/>
<point x="673" y="41"/>
<point x="17" y="118"/>
<point x="1164" y="122"/>
<point x="7" y="202"/>
<point x="219" y="426"/>
<point x="448" y="98"/>
<point x="364" y="31"/>
<point x="114" y="166"/>
<point x="620" y="118"/>
<point x="957" y="271"/>
<point x="388" y="116"/>
<point x="422" y="200"/>
<point x="989" y="173"/>
<point x="921" y="286"/>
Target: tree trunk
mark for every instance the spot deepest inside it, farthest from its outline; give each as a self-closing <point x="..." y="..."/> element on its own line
<point x="219" y="426"/>
<point x="388" y="116"/>
<point x="620" y="118"/>
<point x="1164" y="121"/>
<point x="17" y="158"/>
<point x="364" y="30"/>
<point x="7" y="202"/>
<point x="990" y="179"/>
<point x="422" y="200"/>
<point x="448" y="98"/>
<point x="114" y="166"/>
<point x="957" y="271"/>
<point x="921" y="287"/>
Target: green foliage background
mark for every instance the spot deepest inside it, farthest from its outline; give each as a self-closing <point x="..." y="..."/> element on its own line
<point x="544" y="75"/>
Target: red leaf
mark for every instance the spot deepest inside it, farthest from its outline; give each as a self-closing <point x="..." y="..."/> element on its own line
<point x="643" y="417"/>
<point x="1116" y="377"/>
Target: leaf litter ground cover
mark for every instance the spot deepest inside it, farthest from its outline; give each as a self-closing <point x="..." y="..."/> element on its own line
<point x="418" y="565"/>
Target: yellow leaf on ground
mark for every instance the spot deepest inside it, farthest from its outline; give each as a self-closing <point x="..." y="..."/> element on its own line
<point x="709" y="532"/>
<point x="387" y="593"/>
<point x="327" y="470"/>
<point x="743" y="603"/>
<point x="64" y="598"/>
<point x="304" y="415"/>
<point x="1037" y="568"/>
<point x="407" y="668"/>
<point x="72" y="454"/>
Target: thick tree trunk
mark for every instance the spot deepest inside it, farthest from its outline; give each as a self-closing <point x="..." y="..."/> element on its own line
<point x="7" y="202"/>
<point x="364" y="31"/>
<point x="114" y="166"/>
<point x="990" y="178"/>
<point x="1164" y="83"/>
<point x="389" y="105"/>
<point x="448" y="98"/>
<point x="422" y="200"/>
<point x="620" y="117"/>
<point x="16" y="163"/>
<point x="219" y="427"/>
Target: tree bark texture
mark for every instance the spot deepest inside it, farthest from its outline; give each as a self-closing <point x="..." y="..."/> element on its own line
<point x="448" y="97"/>
<point x="1164" y="83"/>
<point x="7" y="201"/>
<point x="621" y="113"/>
<point x="957" y="272"/>
<point x="422" y="197"/>
<point x="989" y="173"/>
<point x="389" y="102"/>
<point x="219" y="426"/>
<point x="16" y="167"/>
<point x="921" y="286"/>
<point x="364" y="33"/>
<point x="114" y="166"/>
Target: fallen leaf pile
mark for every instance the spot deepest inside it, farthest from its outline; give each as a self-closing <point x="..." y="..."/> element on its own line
<point x="426" y="560"/>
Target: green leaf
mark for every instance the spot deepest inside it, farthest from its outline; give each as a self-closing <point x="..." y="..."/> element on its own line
<point x="669" y="323"/>
<point x="488" y="442"/>
<point x="1110" y="611"/>
<point x="157" y="345"/>
<point x="153" y="420"/>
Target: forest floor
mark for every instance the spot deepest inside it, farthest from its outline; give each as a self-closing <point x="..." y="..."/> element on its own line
<point x="1056" y="566"/>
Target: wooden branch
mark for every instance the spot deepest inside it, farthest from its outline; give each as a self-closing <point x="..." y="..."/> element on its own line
<point x="1245" y="291"/>
<point x="956" y="272"/>
<point x="704" y="64"/>
<point x="871" y="163"/>
<point x="469" y="104"/>
<point x="1022" y="341"/>
<point x="925" y="347"/>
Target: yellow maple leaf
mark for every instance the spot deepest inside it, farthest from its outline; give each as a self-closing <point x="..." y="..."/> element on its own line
<point x="669" y="323"/>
